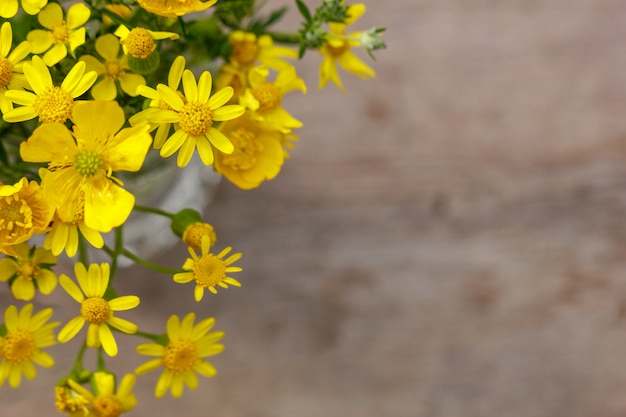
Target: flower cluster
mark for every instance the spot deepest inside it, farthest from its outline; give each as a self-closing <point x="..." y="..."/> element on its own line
<point x="89" y="90"/>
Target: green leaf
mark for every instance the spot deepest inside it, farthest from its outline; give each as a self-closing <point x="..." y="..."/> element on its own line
<point x="304" y="10"/>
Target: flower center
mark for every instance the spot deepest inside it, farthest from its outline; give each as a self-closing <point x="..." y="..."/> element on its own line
<point x="54" y="105"/>
<point x="196" y="118"/>
<point x="61" y="33"/>
<point x="15" y="212"/>
<point x="87" y="163"/>
<point x="28" y="269"/>
<point x="209" y="270"/>
<point x="140" y="43"/>
<point x="114" y="70"/>
<point x="107" y="406"/>
<point x="95" y="310"/>
<point x="17" y="346"/>
<point x="337" y="51"/>
<point x="180" y="356"/>
<point x="193" y="234"/>
<point x="269" y="96"/>
<point x="6" y="72"/>
<point x="244" y="52"/>
<point x="246" y="148"/>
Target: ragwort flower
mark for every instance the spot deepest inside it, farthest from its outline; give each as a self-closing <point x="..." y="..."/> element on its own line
<point x="209" y="270"/>
<point x="82" y="162"/>
<point x="29" y="267"/>
<point x="193" y="234"/>
<point x="20" y="347"/>
<point x="175" y="8"/>
<point x="247" y="50"/>
<point x="62" y="34"/>
<point x="183" y="356"/>
<point x="94" y="309"/>
<point x="11" y="74"/>
<point x="139" y="42"/>
<point x="106" y="401"/>
<point x="9" y="8"/>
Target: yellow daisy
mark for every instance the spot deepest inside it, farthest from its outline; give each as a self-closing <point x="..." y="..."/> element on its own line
<point x="94" y="309"/>
<point x="62" y="34"/>
<point x="50" y="103"/>
<point x="337" y="51"/>
<point x="8" y="8"/>
<point x="29" y="267"/>
<point x="82" y="161"/>
<point x="11" y="74"/>
<point x="208" y="270"/>
<point x="106" y="401"/>
<point x="20" y="348"/>
<point x="175" y="8"/>
<point x="183" y="356"/>
<point x="114" y="70"/>
<point x="264" y="98"/>
<point x="193" y="116"/>
<point x="258" y="154"/>
<point x="23" y="211"/>
<point x="247" y="49"/>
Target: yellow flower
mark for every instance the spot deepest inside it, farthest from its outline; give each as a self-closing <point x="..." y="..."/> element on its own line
<point x="258" y="154"/>
<point x="106" y="401"/>
<point x="63" y="35"/>
<point x="113" y="69"/>
<point x="8" y="8"/>
<point x="193" y="116"/>
<point x="247" y="49"/>
<point x="23" y="211"/>
<point x="94" y="309"/>
<point x="183" y="356"/>
<point x="174" y="8"/>
<point x="83" y="160"/>
<point x="52" y="104"/>
<point x="69" y="401"/>
<point x="264" y="98"/>
<point x="29" y="267"/>
<point x="11" y="74"/>
<point x="139" y="42"/>
<point x="193" y="234"/>
<point x="232" y="76"/>
<point x="20" y="347"/>
<point x="208" y="270"/>
<point x="337" y="51"/>
<point x="121" y="10"/>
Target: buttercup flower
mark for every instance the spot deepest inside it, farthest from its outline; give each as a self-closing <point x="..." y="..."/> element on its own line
<point x="114" y="70"/>
<point x="20" y="347"/>
<point x="247" y="49"/>
<point x="82" y="161"/>
<point x="174" y="8"/>
<point x="50" y="103"/>
<point x="11" y="74"/>
<point x="194" y="116"/>
<point x="23" y="211"/>
<point x="258" y="154"/>
<point x="264" y="98"/>
<point x="94" y="309"/>
<point x="8" y="8"/>
<point x="105" y="400"/>
<point x="337" y="51"/>
<point x="208" y="270"/>
<point x="62" y="34"/>
<point x="29" y="266"/>
<point x="184" y="354"/>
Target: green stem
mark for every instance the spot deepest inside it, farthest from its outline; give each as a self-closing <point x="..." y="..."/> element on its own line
<point x="154" y="211"/>
<point x="286" y="37"/>
<point x="83" y="255"/>
<point x="101" y="365"/>
<point x="157" y="338"/>
<point x="119" y="247"/>
<point x="148" y="264"/>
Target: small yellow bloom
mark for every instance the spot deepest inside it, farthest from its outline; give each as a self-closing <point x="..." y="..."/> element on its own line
<point x="114" y="70"/>
<point x="258" y="154"/>
<point x="208" y="270"/>
<point x="82" y="161"/>
<point x="20" y="347"/>
<point x="193" y="234"/>
<point x="23" y="211"/>
<point x="175" y="8"/>
<point x="337" y="51"/>
<point x="94" y="309"/>
<point x="105" y="400"/>
<point x="264" y="98"/>
<point x="62" y="34"/>
<point x="193" y="116"/>
<point x="8" y="8"/>
<point x="69" y="401"/>
<point x="11" y="73"/>
<point x="183" y="356"/>
<point x="247" y="50"/>
<point x="140" y="42"/>
<point x="50" y="103"/>
<point x="30" y="266"/>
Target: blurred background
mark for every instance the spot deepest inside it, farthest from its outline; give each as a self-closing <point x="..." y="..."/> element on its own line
<point x="447" y="240"/>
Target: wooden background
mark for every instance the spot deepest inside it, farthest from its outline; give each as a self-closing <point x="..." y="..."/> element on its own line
<point x="448" y="240"/>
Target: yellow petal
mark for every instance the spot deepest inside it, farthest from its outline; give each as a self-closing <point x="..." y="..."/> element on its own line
<point x="8" y="8"/>
<point x="71" y="329"/>
<point x="176" y="72"/>
<point x="123" y="325"/>
<point x="107" y="207"/>
<point x="108" y="46"/>
<point x="97" y="119"/>
<point x="40" y="40"/>
<point x="77" y="15"/>
<point x="6" y="39"/>
<point x="71" y="288"/>
<point x="130" y="82"/>
<point x="47" y="143"/>
<point x="186" y="152"/>
<point x="107" y="340"/>
<point x="220" y="141"/>
<point x="190" y="86"/>
<point x="55" y="54"/>
<point x="104" y="90"/>
<point x="127" y="150"/>
<point x="51" y="16"/>
<point x="126" y="302"/>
